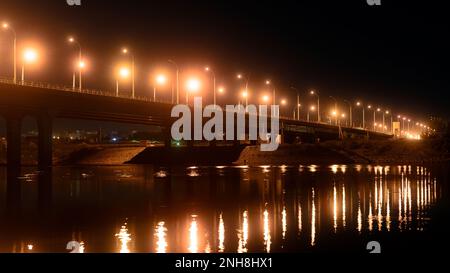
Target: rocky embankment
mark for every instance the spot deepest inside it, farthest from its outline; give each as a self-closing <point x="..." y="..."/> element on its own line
<point x="350" y="151"/>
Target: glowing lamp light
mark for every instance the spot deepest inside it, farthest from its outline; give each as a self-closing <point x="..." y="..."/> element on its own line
<point x="193" y="85"/>
<point x="265" y="98"/>
<point x="5" y="25"/>
<point x="244" y="94"/>
<point x="358" y="103"/>
<point x="81" y="64"/>
<point x="312" y="92"/>
<point x="29" y="55"/>
<point x="124" y="72"/>
<point x="124" y="50"/>
<point x="239" y="76"/>
<point x="369" y="106"/>
<point x="267" y="82"/>
<point x="161" y="79"/>
<point x="312" y="108"/>
<point x="343" y="115"/>
<point x="283" y="102"/>
<point x="221" y="89"/>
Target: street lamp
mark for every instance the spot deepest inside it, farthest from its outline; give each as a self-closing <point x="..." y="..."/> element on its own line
<point x="29" y="56"/>
<point x="363" y="117"/>
<point x="159" y="80"/>
<point x="268" y="82"/>
<point x="298" y="102"/>
<point x="350" y="113"/>
<point x="312" y="108"/>
<point x="192" y="85"/>
<point x="123" y="73"/>
<point x="335" y="109"/>
<point x="177" y="72"/>
<point x="126" y="51"/>
<point x="242" y="77"/>
<point x="7" y="26"/>
<point x="245" y="96"/>
<point x="208" y="69"/>
<point x="312" y="92"/>
<point x="76" y="43"/>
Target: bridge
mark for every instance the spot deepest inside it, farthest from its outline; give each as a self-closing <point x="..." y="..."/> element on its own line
<point x="46" y="102"/>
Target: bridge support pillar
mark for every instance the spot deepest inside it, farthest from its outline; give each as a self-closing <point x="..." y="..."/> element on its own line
<point x="13" y="140"/>
<point x="167" y="138"/>
<point x="45" y="153"/>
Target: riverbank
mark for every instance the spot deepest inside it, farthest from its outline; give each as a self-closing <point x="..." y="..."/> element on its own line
<point x="331" y="152"/>
<point x="350" y="152"/>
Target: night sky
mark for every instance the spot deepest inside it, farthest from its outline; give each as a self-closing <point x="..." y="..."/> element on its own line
<point x="390" y="56"/>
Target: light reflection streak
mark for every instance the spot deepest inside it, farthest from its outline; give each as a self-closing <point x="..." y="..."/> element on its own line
<point x="334" y="208"/>
<point x="124" y="238"/>
<point x="267" y="238"/>
<point x="193" y="235"/>
<point x="243" y="234"/>
<point x="284" y="222"/>
<point x="313" y="219"/>
<point x="160" y="234"/>
<point x="221" y="234"/>
<point x="343" y="205"/>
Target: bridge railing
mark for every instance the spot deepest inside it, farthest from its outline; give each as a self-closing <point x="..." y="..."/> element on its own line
<point x="75" y="90"/>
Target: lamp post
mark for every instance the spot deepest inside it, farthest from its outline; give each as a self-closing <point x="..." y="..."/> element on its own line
<point x="312" y="92"/>
<point x="177" y="71"/>
<point x="374" y="118"/>
<point x="350" y="117"/>
<point x="363" y="117"/>
<point x="335" y="109"/>
<point x="311" y="108"/>
<point x="7" y="26"/>
<point x="29" y="56"/>
<point x="208" y="69"/>
<point x="298" y="102"/>
<point x="126" y="51"/>
<point x="124" y="72"/>
<point x="75" y="42"/>
<point x="159" y="80"/>
<point x="268" y="82"/>
<point x="192" y="85"/>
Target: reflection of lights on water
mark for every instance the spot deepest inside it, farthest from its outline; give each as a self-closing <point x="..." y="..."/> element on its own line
<point x="359" y="217"/>
<point x="124" y="238"/>
<point x="334" y="168"/>
<point x="284" y="221"/>
<point x="299" y="218"/>
<point x="193" y="173"/>
<point x="243" y="233"/>
<point x="81" y="249"/>
<point x="193" y="238"/>
<point x="312" y="168"/>
<point x="221" y="234"/>
<point x="334" y="208"/>
<point x="313" y="220"/>
<point x="370" y="216"/>
<point x="388" y="212"/>
<point x="343" y="168"/>
<point x="267" y="238"/>
<point x="30" y="247"/>
<point x="358" y="168"/>
<point x="207" y="247"/>
<point x="380" y="207"/>
<point x="343" y="205"/>
<point x="160" y="233"/>
<point x="283" y="168"/>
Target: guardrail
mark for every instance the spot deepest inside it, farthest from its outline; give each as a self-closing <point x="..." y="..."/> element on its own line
<point x="75" y="90"/>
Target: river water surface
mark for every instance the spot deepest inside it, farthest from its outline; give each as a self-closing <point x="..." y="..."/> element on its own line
<point x="134" y="208"/>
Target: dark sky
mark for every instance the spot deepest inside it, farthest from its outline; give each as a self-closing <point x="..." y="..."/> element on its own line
<point x="392" y="56"/>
